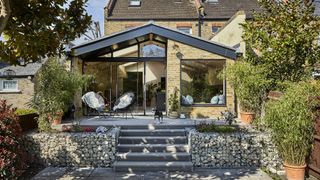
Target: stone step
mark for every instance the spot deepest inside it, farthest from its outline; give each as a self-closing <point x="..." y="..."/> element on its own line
<point x="153" y="140"/>
<point x="157" y="132"/>
<point x="153" y="156"/>
<point x="152" y="148"/>
<point x="136" y="166"/>
<point x="157" y="126"/>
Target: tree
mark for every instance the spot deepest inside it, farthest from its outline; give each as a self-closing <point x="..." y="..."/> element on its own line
<point x="34" y="29"/>
<point x="284" y="33"/>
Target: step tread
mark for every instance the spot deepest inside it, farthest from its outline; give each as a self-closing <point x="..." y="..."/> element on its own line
<point x="152" y="130"/>
<point x="152" y="137"/>
<point x="153" y="154"/>
<point x="152" y="163"/>
<point x="151" y="145"/>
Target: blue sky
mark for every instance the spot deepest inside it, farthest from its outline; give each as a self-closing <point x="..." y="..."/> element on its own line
<point x="95" y="8"/>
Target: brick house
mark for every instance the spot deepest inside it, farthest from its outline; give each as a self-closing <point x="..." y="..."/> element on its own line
<point x="175" y="14"/>
<point x="152" y="48"/>
<point x="17" y="84"/>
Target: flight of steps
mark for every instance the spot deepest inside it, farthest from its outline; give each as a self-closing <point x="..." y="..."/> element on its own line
<point x="163" y="148"/>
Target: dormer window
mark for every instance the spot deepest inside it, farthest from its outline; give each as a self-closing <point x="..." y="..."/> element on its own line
<point x="134" y="3"/>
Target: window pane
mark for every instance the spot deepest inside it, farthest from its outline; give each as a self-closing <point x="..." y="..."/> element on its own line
<point x="152" y="50"/>
<point x="135" y="3"/>
<point x="9" y="85"/>
<point x="200" y="83"/>
<point x="215" y="29"/>
<point x="185" y="29"/>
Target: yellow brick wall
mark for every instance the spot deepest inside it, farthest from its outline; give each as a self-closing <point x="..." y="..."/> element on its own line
<point x="173" y="78"/>
<point x="77" y="67"/>
<point x="20" y="99"/>
<point x="117" y="26"/>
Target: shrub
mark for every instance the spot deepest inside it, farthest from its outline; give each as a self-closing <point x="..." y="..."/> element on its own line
<point x="12" y="157"/>
<point x="292" y="119"/>
<point x="21" y="112"/>
<point x="211" y="127"/>
<point x="55" y="91"/>
<point x="250" y="84"/>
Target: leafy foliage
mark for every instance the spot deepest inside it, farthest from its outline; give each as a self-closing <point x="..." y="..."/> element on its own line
<point x="291" y="121"/>
<point x="174" y="101"/>
<point x="250" y="84"/>
<point x="284" y="35"/>
<point x="211" y="127"/>
<point x="20" y="112"/>
<point x="12" y="156"/>
<point x="55" y="91"/>
<point x="37" y="29"/>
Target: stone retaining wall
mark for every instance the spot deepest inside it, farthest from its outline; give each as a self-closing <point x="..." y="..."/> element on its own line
<point x="232" y="150"/>
<point x="72" y="149"/>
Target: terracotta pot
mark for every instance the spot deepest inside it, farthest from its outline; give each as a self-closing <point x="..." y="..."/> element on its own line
<point x="295" y="172"/>
<point x="57" y="119"/>
<point x="247" y="117"/>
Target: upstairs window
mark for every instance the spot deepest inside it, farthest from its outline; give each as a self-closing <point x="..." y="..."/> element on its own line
<point x="215" y="29"/>
<point x="134" y="3"/>
<point x="187" y="30"/>
<point x="213" y="1"/>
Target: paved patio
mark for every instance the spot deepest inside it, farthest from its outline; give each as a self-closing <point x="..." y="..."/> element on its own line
<point x="142" y="120"/>
<point x="107" y="173"/>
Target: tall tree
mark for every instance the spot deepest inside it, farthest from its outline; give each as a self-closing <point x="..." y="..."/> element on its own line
<point x="285" y="34"/>
<point x="34" y="29"/>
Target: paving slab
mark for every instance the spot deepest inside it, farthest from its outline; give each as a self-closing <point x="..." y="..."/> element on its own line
<point x="51" y="172"/>
<point x="107" y="173"/>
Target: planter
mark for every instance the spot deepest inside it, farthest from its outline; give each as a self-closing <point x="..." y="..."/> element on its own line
<point x="173" y="115"/>
<point x="295" y="172"/>
<point x="247" y="117"/>
<point x="57" y="119"/>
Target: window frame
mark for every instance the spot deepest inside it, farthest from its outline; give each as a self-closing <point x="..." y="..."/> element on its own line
<point x="207" y="104"/>
<point x="185" y="27"/>
<point x="134" y="5"/>
<point x="9" y="90"/>
<point x="213" y="26"/>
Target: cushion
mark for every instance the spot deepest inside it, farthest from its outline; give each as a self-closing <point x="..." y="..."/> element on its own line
<point x="222" y="99"/>
<point x="214" y="100"/>
<point x="189" y="99"/>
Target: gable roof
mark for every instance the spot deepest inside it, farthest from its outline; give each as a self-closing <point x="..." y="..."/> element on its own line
<point x="172" y="9"/>
<point x="22" y="71"/>
<point x="131" y="36"/>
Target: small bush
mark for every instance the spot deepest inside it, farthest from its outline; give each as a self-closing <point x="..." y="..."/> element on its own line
<point x="210" y="127"/>
<point x="12" y="157"/>
<point x="21" y="112"/>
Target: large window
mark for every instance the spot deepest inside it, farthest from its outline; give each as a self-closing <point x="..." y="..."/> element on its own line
<point x="200" y="82"/>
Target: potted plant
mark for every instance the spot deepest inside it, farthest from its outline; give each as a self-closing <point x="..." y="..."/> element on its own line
<point x="174" y="104"/>
<point x="250" y="84"/>
<point x="291" y="120"/>
<point x="54" y="91"/>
